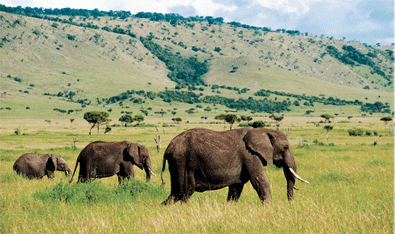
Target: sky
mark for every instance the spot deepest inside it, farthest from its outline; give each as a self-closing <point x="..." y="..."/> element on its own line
<point x="366" y="21"/>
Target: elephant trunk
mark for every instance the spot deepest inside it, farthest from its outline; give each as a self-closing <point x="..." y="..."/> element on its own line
<point x="148" y="169"/>
<point x="290" y="182"/>
<point x="290" y="175"/>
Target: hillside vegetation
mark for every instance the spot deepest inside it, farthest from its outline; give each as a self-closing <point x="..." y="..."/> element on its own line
<point x="67" y="61"/>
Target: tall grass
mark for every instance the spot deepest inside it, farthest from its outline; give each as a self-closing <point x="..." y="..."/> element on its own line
<point x="350" y="191"/>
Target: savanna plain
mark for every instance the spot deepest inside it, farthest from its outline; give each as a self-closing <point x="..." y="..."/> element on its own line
<point x="350" y="191"/>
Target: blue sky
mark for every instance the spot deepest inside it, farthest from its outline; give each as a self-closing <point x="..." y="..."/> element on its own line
<point x="366" y="21"/>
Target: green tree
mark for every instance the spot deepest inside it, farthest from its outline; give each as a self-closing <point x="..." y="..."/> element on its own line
<point x="231" y="119"/>
<point x="177" y="120"/>
<point x="328" y="128"/>
<point x="161" y="112"/>
<point x="139" y="119"/>
<point x="278" y="120"/>
<point x="220" y="117"/>
<point x="96" y="118"/>
<point x="126" y="119"/>
<point x="327" y="117"/>
<point x="386" y="120"/>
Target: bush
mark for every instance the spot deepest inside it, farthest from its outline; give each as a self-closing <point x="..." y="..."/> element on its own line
<point x="96" y="192"/>
<point x="258" y="124"/>
<point x="355" y="132"/>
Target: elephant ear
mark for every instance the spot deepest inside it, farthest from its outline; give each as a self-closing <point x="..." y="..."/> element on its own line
<point x="132" y="153"/>
<point x="260" y="142"/>
<point x="50" y="166"/>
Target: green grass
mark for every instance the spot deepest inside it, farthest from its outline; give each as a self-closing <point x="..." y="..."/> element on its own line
<point x="350" y="190"/>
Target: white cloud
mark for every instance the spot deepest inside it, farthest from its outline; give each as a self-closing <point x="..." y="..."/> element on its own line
<point x="202" y="7"/>
<point x="298" y="7"/>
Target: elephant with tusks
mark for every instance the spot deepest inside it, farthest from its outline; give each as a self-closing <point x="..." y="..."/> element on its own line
<point x="202" y="159"/>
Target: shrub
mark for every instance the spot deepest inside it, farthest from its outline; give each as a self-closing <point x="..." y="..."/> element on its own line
<point x="96" y="192"/>
<point x="258" y="124"/>
<point x="355" y="132"/>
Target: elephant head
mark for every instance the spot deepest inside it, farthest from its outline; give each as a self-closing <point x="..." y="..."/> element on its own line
<point x="273" y="148"/>
<point x="61" y="165"/>
<point x="56" y="163"/>
<point x="139" y="156"/>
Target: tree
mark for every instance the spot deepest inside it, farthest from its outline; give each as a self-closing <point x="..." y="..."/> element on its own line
<point x="308" y="112"/>
<point x="386" y="120"/>
<point x="139" y="119"/>
<point x="231" y="119"/>
<point x="278" y="119"/>
<point x="127" y="119"/>
<point x="177" y="120"/>
<point x="161" y="112"/>
<point x="328" y="128"/>
<point x="326" y="117"/>
<point x="96" y="118"/>
<point x="220" y="117"/>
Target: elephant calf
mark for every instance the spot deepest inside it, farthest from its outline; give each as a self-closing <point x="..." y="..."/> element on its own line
<point x="104" y="159"/>
<point x="39" y="165"/>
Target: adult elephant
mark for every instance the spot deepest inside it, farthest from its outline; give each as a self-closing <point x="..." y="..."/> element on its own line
<point x="203" y="159"/>
<point x="104" y="159"/>
<point x="38" y="165"/>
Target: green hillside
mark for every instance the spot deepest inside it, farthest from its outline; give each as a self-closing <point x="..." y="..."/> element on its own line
<point x="80" y="63"/>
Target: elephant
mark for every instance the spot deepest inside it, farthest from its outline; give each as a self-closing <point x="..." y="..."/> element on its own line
<point x="101" y="159"/>
<point x="36" y="166"/>
<point x="201" y="159"/>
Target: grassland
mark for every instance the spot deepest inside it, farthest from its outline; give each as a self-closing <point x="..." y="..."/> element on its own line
<point x="97" y="64"/>
<point x="350" y="190"/>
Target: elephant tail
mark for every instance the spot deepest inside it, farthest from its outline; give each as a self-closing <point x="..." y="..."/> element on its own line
<point x="163" y="169"/>
<point x="76" y="165"/>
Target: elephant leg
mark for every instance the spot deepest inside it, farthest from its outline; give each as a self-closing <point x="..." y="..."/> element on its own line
<point x="125" y="172"/>
<point x="189" y="187"/>
<point x="259" y="180"/>
<point x="235" y="192"/>
<point x="182" y="185"/>
<point x="169" y="200"/>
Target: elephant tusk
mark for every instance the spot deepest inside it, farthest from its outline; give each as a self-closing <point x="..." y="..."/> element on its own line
<point x="296" y="188"/>
<point x="152" y="172"/>
<point x="297" y="177"/>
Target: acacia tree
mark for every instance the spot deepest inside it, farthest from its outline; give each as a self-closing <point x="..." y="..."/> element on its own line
<point x="278" y="120"/>
<point x="386" y="120"/>
<point x="231" y="119"/>
<point x="127" y="119"/>
<point x="328" y="128"/>
<point x="96" y="118"/>
<point x="177" y="120"/>
<point x="139" y="119"/>
<point x="326" y="117"/>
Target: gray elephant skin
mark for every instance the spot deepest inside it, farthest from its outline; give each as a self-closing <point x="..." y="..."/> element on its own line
<point x="202" y="159"/>
<point x="36" y="166"/>
<point x="104" y="159"/>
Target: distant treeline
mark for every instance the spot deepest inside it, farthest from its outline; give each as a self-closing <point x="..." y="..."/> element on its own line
<point x="376" y="107"/>
<point x="256" y="105"/>
<point x="172" y="18"/>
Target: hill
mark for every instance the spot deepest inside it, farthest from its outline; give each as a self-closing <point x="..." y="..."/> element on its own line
<point x="60" y="66"/>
